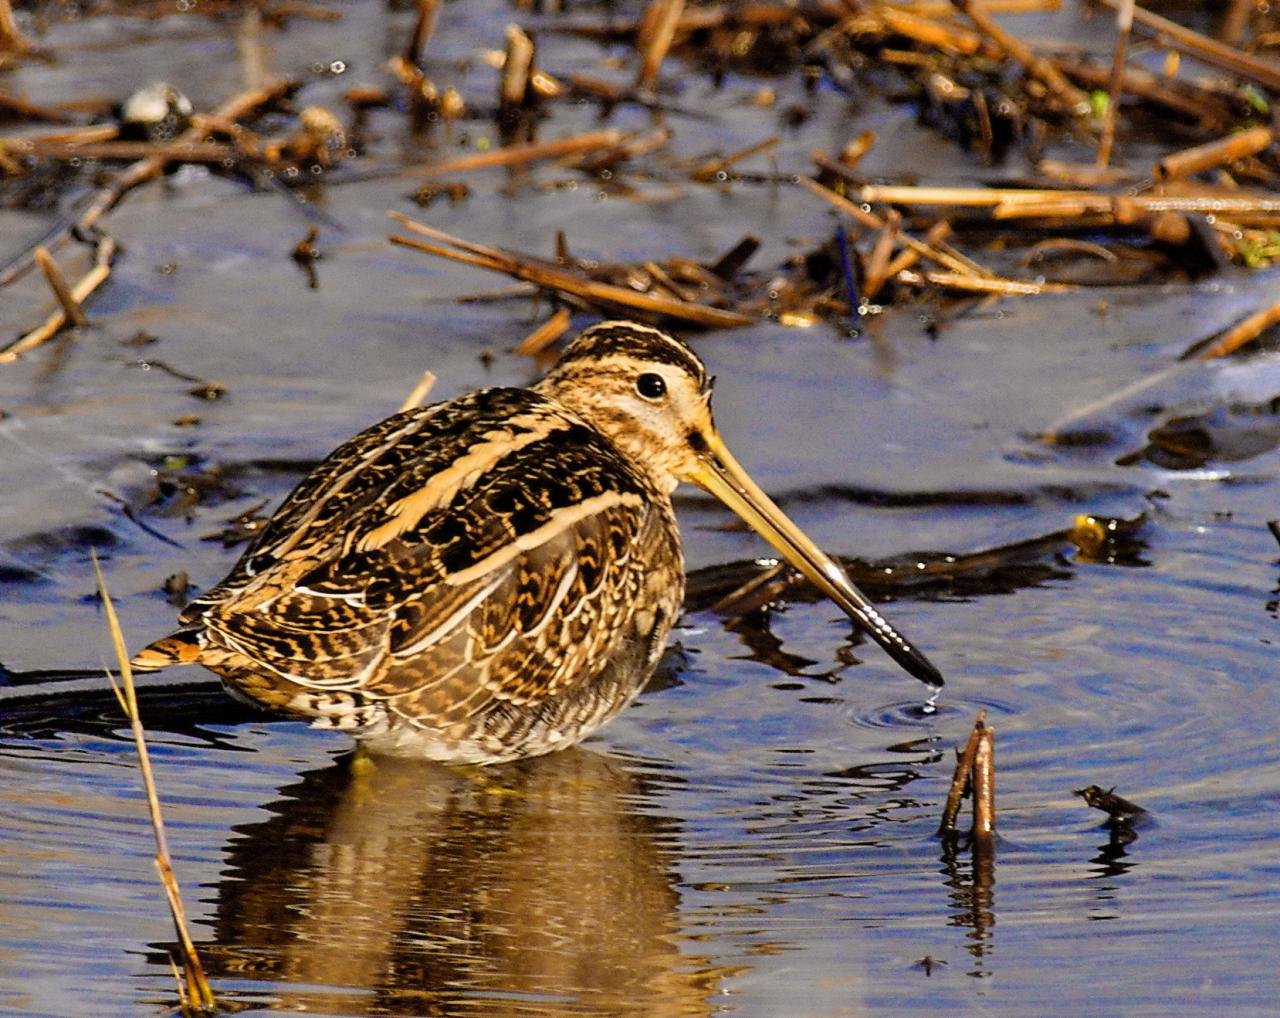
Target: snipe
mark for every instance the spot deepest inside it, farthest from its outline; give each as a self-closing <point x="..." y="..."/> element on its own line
<point x="493" y="577"/>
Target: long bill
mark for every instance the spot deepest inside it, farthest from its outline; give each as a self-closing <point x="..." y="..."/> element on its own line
<point x="719" y="473"/>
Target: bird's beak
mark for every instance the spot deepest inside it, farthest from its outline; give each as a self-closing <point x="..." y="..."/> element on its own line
<point x="719" y="473"/>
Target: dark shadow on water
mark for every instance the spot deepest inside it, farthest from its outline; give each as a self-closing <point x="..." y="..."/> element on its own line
<point x="54" y="705"/>
<point x="389" y="886"/>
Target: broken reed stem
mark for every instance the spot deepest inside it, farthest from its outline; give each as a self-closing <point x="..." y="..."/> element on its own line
<point x="1219" y="152"/>
<point x="960" y="266"/>
<point x="974" y="284"/>
<point x="944" y="8"/>
<point x="1124" y="27"/>
<point x="946" y="38"/>
<point x="553" y="277"/>
<point x="960" y="779"/>
<point x="58" y="284"/>
<point x="423" y="28"/>
<point x="906" y="258"/>
<point x="420" y="392"/>
<point x="1209" y="51"/>
<point x="1010" y="203"/>
<point x="11" y="37"/>
<point x="545" y="334"/>
<point x="517" y="67"/>
<point x="511" y="155"/>
<point x="629" y="147"/>
<point x="249" y="46"/>
<point x="79" y="293"/>
<point x="709" y="170"/>
<point x="853" y="152"/>
<point x="1036" y="66"/>
<point x="1149" y="88"/>
<point x="877" y="267"/>
<point x="566" y="282"/>
<point x="984" y="786"/>
<point x="198" y="990"/>
<point x="189" y="152"/>
<point x="1063" y="427"/>
<point x="1234" y="21"/>
<point x="664" y="17"/>
<point x="1238" y="335"/>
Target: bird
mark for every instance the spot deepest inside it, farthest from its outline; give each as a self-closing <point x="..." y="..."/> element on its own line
<point x="493" y="577"/>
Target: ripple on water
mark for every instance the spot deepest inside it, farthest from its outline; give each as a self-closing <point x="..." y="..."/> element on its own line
<point x="940" y="709"/>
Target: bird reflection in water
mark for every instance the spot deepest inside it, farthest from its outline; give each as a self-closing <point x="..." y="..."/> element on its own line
<point x="396" y="886"/>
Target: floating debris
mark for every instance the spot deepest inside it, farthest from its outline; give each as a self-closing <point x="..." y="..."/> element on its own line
<point x="175" y="588"/>
<point x="156" y="112"/>
<point x="242" y="528"/>
<point x="209" y="391"/>
<point x="305" y="254"/>
<point x="1117" y="808"/>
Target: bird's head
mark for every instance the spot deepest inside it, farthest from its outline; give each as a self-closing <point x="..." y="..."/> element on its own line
<point x="651" y="395"/>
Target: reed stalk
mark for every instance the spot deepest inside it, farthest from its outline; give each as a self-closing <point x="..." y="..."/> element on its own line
<point x="197" y="993"/>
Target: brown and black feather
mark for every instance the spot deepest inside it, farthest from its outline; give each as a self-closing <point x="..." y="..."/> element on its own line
<point x="487" y="609"/>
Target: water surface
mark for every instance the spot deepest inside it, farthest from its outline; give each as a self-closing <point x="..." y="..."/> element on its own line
<point x="756" y="835"/>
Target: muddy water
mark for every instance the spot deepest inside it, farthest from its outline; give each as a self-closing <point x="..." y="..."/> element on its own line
<point x="755" y="836"/>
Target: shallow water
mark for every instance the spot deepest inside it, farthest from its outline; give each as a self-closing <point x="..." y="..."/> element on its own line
<point x="756" y="835"/>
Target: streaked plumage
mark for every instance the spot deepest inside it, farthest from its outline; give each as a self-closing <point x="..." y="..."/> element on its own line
<point x="492" y="577"/>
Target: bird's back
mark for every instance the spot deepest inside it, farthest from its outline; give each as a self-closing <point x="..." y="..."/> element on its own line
<point x="478" y="570"/>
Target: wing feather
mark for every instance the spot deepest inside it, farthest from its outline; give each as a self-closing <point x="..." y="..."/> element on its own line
<point x="448" y="562"/>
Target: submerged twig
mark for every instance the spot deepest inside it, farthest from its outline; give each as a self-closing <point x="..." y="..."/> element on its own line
<point x="198" y="990"/>
<point x="1238" y="335"/>
<point x="516" y="68"/>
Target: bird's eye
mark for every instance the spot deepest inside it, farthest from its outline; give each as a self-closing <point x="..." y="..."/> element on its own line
<point x="651" y="385"/>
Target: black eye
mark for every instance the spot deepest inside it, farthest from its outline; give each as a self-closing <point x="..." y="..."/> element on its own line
<point x="651" y="386"/>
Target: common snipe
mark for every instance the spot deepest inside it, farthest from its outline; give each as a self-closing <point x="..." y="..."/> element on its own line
<point x="493" y="577"/>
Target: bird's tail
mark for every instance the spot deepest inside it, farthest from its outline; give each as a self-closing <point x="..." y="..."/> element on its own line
<point x="184" y="647"/>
